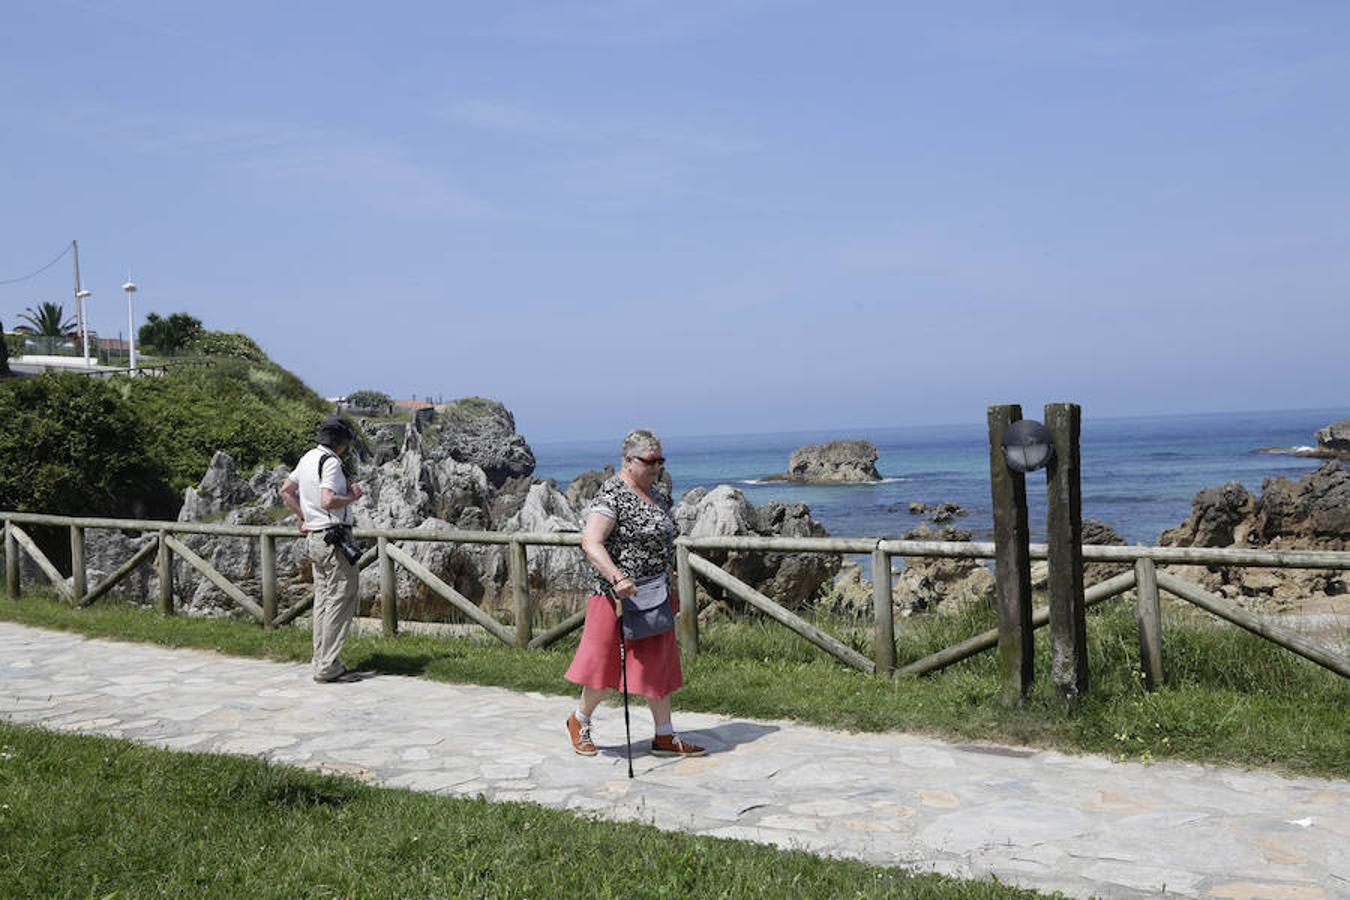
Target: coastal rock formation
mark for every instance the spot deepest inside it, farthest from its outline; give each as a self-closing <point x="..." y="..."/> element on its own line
<point x="1311" y="513"/>
<point x="946" y="585"/>
<point x="835" y="462"/>
<point x="1220" y="516"/>
<point x="945" y="512"/>
<point x="421" y="483"/>
<point x="221" y="489"/>
<point x="1334" y="440"/>
<point x="586" y="485"/>
<point x="790" y="579"/>
<point x="483" y="432"/>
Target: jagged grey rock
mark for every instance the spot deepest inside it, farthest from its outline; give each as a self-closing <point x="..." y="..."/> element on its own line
<point x="935" y="583"/>
<point x="584" y="487"/>
<point x="791" y="579"/>
<point x="483" y="432"/>
<point x="1335" y="439"/>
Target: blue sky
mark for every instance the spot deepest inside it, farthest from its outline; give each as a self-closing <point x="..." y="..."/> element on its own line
<point x="706" y="217"/>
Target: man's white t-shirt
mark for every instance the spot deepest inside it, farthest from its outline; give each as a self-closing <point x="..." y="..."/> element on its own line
<point x="306" y="475"/>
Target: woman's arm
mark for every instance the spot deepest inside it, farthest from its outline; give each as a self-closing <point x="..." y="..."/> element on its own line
<point x="597" y="529"/>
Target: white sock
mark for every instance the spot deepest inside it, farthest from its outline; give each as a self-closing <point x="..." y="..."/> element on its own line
<point x="665" y="730"/>
<point x="582" y="718"/>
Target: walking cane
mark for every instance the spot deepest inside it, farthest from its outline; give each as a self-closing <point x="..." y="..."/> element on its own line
<point x="623" y="665"/>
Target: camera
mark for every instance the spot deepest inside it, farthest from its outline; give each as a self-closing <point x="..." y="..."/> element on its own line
<point x="340" y="538"/>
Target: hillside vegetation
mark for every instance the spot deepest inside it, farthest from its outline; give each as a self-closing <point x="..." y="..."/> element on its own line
<point x="129" y="446"/>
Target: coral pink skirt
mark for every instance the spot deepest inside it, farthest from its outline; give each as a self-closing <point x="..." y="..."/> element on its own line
<point x="653" y="663"/>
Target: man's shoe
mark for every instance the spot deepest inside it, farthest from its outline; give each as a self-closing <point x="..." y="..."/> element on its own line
<point x="341" y="676"/>
<point x="581" y="736"/>
<point x="671" y="745"/>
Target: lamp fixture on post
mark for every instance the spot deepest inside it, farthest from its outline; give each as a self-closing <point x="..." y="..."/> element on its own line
<point x="1027" y="446"/>
<point x="130" y="289"/>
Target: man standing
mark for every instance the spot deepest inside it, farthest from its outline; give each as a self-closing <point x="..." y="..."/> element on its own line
<point x="318" y="492"/>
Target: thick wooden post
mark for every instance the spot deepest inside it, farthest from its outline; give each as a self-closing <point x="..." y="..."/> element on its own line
<point x="1148" y="611"/>
<point x="520" y="594"/>
<point x="1012" y="561"/>
<point x="388" y="589"/>
<point x="11" y="562"/>
<point x="78" y="573"/>
<point x="686" y="623"/>
<point x="165" y="565"/>
<point x="268" y="561"/>
<point x="1064" y="538"/>
<point x="884" y="646"/>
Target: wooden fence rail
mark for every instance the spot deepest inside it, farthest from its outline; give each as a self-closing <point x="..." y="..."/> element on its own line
<point x="691" y="564"/>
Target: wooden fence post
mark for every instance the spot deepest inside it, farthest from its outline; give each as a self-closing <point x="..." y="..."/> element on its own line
<point x="165" y="564"/>
<point x="11" y="562"/>
<point x="268" y="561"/>
<point x="1012" y="561"/>
<point x="388" y="589"/>
<point x="520" y="594"/>
<point x="884" y="647"/>
<point x="687" y="621"/>
<point x="1064" y="539"/>
<point x="78" y="573"/>
<point x="1148" y="611"/>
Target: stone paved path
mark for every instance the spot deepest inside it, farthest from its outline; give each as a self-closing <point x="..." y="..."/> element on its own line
<point x="1080" y="824"/>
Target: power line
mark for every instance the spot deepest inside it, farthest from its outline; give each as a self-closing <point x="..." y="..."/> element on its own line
<point x="59" y="256"/>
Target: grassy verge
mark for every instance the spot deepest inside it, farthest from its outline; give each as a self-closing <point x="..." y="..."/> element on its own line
<point x="85" y="816"/>
<point x="1230" y="697"/>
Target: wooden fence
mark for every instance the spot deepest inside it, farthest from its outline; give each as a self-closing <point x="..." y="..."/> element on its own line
<point x="692" y="563"/>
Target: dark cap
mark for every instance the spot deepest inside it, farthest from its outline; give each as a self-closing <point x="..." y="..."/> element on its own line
<point x="334" y="431"/>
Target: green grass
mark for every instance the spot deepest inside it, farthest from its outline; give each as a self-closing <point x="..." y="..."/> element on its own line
<point x="1229" y="698"/>
<point x="97" y="817"/>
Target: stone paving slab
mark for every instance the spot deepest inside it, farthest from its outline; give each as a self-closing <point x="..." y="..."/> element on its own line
<point x="1083" y="825"/>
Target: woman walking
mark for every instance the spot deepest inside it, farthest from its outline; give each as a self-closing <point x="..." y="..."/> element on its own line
<point x="629" y="539"/>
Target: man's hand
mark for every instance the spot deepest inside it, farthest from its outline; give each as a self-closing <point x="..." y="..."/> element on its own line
<point x="355" y="490"/>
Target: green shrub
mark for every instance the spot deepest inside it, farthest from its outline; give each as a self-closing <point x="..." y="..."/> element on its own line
<point x="259" y="413"/>
<point x="226" y="343"/>
<point x="74" y="445"/>
<point x="368" y="399"/>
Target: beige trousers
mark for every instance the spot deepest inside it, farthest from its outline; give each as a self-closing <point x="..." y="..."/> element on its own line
<point x="336" y="584"/>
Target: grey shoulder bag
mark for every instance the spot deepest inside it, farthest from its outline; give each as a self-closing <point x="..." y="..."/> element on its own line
<point x="648" y="612"/>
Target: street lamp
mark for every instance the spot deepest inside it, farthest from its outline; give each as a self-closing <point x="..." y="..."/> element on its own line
<point x="80" y="296"/>
<point x="130" y="289"/>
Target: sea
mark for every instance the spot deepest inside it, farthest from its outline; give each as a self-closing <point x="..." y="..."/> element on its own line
<point x="1139" y="474"/>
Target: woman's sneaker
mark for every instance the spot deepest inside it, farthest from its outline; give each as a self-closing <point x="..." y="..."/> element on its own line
<point x="671" y="745"/>
<point x="581" y="736"/>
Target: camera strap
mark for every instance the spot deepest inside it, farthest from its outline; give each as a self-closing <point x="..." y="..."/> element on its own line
<point x="323" y="459"/>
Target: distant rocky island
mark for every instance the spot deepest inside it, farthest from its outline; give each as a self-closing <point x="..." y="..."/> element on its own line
<point x="834" y="462"/>
<point x="1333" y="442"/>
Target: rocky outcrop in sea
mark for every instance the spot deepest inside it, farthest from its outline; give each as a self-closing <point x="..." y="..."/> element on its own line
<point x="835" y="462"/>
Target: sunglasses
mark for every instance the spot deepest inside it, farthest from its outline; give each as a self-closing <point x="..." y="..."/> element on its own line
<point x="655" y="461"/>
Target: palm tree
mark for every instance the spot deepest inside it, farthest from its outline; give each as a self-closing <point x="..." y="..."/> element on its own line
<point x="48" y="320"/>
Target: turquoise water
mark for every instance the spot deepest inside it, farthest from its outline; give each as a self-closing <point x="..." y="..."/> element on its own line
<point x="1139" y="474"/>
